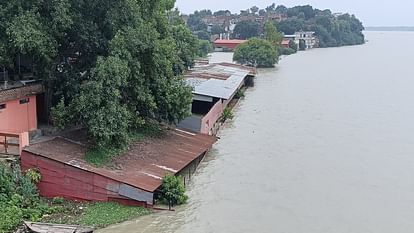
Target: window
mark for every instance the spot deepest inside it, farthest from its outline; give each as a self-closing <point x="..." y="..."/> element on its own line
<point x="2" y="106"/>
<point x="24" y="101"/>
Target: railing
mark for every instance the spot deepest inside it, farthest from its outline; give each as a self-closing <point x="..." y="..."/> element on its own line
<point x="9" y="144"/>
<point x="12" y="144"/>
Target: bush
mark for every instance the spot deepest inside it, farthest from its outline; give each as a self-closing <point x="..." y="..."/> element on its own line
<point x="239" y="94"/>
<point x="256" y="52"/>
<point x="227" y="115"/>
<point x="19" y="198"/>
<point x="286" y="51"/>
<point x="173" y="191"/>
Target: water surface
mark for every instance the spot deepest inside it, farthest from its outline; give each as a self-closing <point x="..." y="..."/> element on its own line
<point x="322" y="143"/>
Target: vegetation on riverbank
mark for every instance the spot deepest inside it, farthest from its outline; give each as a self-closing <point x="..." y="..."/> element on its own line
<point x="108" y="66"/>
<point x="256" y="52"/>
<point x="98" y="214"/>
<point x="332" y="29"/>
<point x="19" y="198"/>
<point x="19" y="201"/>
<point x="172" y="191"/>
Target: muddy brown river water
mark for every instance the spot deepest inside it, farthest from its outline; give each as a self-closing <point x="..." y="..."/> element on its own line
<point x="324" y="143"/>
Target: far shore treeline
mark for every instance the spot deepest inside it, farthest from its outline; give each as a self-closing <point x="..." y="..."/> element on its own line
<point x="332" y="29"/>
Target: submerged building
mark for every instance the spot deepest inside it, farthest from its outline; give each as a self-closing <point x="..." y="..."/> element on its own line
<point x="133" y="179"/>
<point x="214" y="87"/>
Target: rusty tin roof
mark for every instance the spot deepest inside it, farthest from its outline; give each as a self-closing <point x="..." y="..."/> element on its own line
<point x="142" y="166"/>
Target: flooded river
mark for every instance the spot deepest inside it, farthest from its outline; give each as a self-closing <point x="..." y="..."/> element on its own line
<point x="324" y="143"/>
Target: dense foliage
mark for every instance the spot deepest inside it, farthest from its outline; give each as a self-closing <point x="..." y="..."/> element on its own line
<point x="107" y="65"/>
<point x="246" y="30"/>
<point x="173" y="191"/>
<point x="19" y="199"/>
<point x="331" y="30"/>
<point x="256" y="52"/>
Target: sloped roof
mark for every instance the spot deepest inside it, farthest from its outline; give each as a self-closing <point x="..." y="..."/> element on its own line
<point x="142" y="166"/>
<point x="217" y="80"/>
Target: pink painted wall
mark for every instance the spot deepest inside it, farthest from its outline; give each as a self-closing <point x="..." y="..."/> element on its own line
<point x="208" y="122"/>
<point x="18" y="118"/>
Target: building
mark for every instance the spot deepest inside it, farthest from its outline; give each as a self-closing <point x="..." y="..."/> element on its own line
<point x="134" y="178"/>
<point x="225" y="45"/>
<point x="18" y="114"/>
<point x="285" y="43"/>
<point x="214" y="87"/>
<point x="308" y="37"/>
<point x="18" y="106"/>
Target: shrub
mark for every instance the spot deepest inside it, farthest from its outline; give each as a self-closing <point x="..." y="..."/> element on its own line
<point x="34" y="175"/>
<point x="173" y="191"/>
<point x="19" y="199"/>
<point x="286" y="51"/>
<point x="227" y="115"/>
<point x="239" y="94"/>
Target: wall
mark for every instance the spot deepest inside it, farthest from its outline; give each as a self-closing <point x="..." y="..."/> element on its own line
<point x="18" y="118"/>
<point x="61" y="180"/>
<point x="209" y="121"/>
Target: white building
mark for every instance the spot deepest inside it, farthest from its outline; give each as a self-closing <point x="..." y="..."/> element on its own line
<point x="308" y="37"/>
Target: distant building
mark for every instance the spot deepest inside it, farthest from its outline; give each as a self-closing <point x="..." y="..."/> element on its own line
<point x="227" y="45"/>
<point x="214" y="87"/>
<point x="308" y="37"/>
<point x="285" y="43"/>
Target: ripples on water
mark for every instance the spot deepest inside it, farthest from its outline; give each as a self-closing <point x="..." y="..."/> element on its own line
<point x="323" y="143"/>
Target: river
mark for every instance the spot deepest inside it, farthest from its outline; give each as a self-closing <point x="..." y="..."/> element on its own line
<point x="324" y="143"/>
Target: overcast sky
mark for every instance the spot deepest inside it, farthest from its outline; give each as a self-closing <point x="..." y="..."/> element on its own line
<point x="371" y="12"/>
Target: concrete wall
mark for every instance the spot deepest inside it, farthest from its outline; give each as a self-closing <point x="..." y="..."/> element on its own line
<point x="210" y="120"/>
<point x="18" y="118"/>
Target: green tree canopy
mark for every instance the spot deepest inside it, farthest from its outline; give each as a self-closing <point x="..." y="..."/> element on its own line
<point x="173" y="191"/>
<point x="272" y="35"/>
<point x="246" y="29"/>
<point x="108" y="65"/>
<point x="256" y="52"/>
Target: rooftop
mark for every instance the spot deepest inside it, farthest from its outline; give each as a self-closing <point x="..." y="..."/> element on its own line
<point x="217" y="80"/>
<point x="229" y="41"/>
<point x="145" y="163"/>
<point x="19" y="89"/>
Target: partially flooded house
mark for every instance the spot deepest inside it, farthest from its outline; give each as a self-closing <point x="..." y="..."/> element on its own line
<point x="133" y="178"/>
<point x="214" y="87"/>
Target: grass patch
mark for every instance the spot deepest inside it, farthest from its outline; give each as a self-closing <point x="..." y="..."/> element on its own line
<point x="98" y="215"/>
<point x="103" y="155"/>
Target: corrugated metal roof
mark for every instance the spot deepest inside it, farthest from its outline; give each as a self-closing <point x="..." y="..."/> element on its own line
<point x="143" y="166"/>
<point x="211" y="80"/>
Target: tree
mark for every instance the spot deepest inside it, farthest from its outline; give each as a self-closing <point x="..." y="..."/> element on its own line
<point x="272" y="35"/>
<point x="271" y="8"/>
<point x="262" y="12"/>
<point x="246" y="29"/>
<point x="293" y="45"/>
<point x="254" y="9"/>
<point x="195" y="23"/>
<point x="256" y="52"/>
<point x="127" y="59"/>
<point x="173" y="191"/>
<point x="222" y="13"/>
<point x="204" y="48"/>
<point x="290" y="26"/>
<point x="217" y="29"/>
<point x="281" y="9"/>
